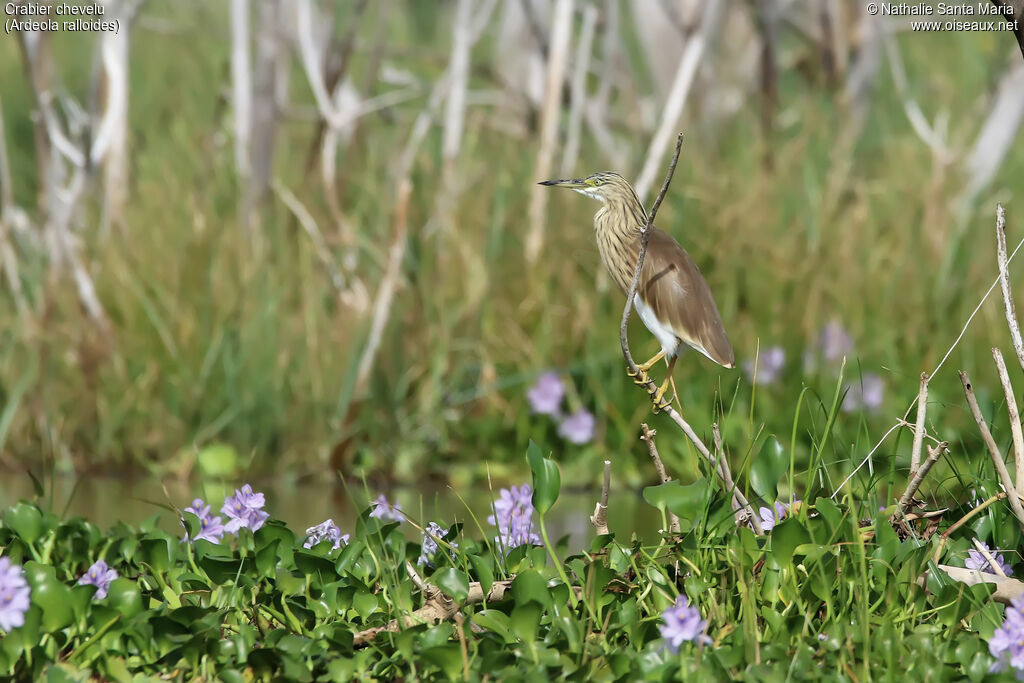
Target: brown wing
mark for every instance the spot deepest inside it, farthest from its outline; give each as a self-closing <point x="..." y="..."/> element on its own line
<point x="671" y="285"/>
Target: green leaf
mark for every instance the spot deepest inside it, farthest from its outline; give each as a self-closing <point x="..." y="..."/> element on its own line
<point x="525" y="620"/>
<point x="452" y="582"/>
<point x="687" y="502"/>
<point x="768" y="469"/>
<point x="484" y="568"/>
<point x="52" y="596"/>
<point x="530" y="586"/>
<point x="25" y="520"/>
<point x="124" y="596"/>
<point x="547" y="479"/>
<point x="495" y="621"/>
<point x="786" y="536"/>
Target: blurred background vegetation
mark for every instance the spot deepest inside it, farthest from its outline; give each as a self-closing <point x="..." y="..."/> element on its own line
<point x="310" y="233"/>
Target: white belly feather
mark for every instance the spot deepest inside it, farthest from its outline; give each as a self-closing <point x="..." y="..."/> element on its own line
<point x="670" y="343"/>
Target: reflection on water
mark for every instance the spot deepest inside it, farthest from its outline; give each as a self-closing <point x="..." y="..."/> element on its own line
<point x="106" y="501"/>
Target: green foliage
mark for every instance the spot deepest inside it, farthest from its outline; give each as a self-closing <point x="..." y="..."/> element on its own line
<point x="823" y="592"/>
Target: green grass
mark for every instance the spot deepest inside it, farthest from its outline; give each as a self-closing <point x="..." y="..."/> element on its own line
<point x="221" y="340"/>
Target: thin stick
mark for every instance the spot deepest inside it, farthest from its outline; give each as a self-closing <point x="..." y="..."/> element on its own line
<point x="1004" y="283"/>
<point x="659" y="467"/>
<point x="1014" y="413"/>
<point x="919" y="475"/>
<point x="624" y="339"/>
<point x="993" y="450"/>
<point x="935" y="370"/>
<point x="600" y="517"/>
<point x="996" y="569"/>
<point x="739" y="504"/>
<point x="922" y="407"/>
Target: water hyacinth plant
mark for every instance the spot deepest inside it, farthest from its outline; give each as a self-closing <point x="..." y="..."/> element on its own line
<point x="977" y="561"/>
<point x="578" y="428"/>
<point x="210" y="527"/>
<point x="433" y="533"/>
<point x="99" y="575"/>
<point x="325" y="531"/>
<point x="14" y="595"/>
<point x="1007" y="643"/>
<point x="682" y="623"/>
<point x="244" y="510"/>
<point x="513" y="515"/>
<point x="385" y="511"/>
<point x="545" y="398"/>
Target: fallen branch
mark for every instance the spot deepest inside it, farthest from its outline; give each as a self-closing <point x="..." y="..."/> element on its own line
<point x="1006" y="589"/>
<point x="650" y="386"/>
<point x="600" y="517"/>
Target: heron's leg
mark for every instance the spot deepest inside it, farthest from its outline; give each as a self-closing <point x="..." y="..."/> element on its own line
<point x="640" y="376"/>
<point x="658" y="397"/>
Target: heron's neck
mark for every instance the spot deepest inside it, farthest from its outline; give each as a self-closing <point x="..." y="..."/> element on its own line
<point x="616" y="226"/>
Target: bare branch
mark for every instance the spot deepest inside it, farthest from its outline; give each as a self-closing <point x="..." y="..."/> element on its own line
<point x="1004" y="283"/>
<point x="600" y="517"/>
<point x="918" y="477"/>
<point x="922" y="407"/>
<point x="1013" y="412"/>
<point x="993" y="450"/>
<point x="996" y="567"/>
<point x="659" y="467"/>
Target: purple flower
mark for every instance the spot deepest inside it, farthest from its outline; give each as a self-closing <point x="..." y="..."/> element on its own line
<point x="578" y="428"/>
<point x="14" y="594"/>
<point x="513" y="515"/>
<point x="834" y="342"/>
<point x="1007" y="643"/>
<point x="244" y="509"/>
<point x="977" y="561"/>
<point x="431" y="535"/>
<point x="325" y="531"/>
<point x="546" y="395"/>
<point x="769" y="365"/>
<point x="99" y="575"/>
<point x="772" y="516"/>
<point x="210" y="527"/>
<point x="384" y="510"/>
<point x="867" y="394"/>
<point x="682" y="623"/>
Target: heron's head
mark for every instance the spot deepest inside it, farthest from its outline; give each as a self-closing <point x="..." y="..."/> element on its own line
<point x="605" y="186"/>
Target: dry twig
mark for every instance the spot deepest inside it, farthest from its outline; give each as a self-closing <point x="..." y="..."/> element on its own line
<point x="600" y="517"/>
<point x="919" y="475"/>
<point x="1013" y="412"/>
<point x="922" y="407"/>
<point x="659" y="467"/>
<point x="993" y="449"/>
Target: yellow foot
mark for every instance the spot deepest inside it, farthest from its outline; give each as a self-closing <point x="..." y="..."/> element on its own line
<point x="640" y="377"/>
<point x="658" y="398"/>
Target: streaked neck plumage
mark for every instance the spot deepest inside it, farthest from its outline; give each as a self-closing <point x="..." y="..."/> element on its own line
<point x="617" y="224"/>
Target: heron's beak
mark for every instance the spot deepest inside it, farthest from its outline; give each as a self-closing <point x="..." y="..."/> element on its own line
<point x="573" y="184"/>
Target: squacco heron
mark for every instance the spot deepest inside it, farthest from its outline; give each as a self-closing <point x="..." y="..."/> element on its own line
<point x="672" y="299"/>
